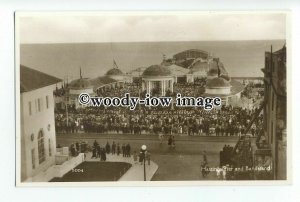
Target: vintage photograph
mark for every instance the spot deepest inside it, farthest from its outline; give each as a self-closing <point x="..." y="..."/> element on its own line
<point x="91" y="89"/>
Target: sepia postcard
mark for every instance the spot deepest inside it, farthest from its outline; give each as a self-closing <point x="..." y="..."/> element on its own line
<point x="152" y="98"/>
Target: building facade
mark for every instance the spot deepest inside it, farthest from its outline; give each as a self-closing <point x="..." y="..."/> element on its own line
<point x="275" y="110"/>
<point x="38" y="141"/>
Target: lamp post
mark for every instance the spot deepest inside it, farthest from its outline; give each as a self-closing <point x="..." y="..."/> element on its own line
<point x="144" y="149"/>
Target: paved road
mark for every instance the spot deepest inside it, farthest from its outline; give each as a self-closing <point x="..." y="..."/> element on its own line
<point x="148" y="136"/>
<point x="181" y="163"/>
<point x="184" y="144"/>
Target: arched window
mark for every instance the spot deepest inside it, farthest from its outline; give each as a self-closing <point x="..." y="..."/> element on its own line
<point x="41" y="147"/>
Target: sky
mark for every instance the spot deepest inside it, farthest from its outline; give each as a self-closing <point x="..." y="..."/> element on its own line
<point x="147" y="27"/>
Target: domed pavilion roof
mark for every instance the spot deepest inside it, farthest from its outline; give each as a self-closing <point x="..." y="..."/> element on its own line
<point x="101" y="81"/>
<point x="82" y="83"/>
<point x="114" y="72"/>
<point x="217" y="82"/>
<point x="157" y="70"/>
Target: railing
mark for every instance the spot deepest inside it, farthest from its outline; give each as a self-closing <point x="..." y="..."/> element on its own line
<point x="255" y="116"/>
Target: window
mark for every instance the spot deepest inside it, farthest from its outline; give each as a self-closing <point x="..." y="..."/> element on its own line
<point x="47" y="101"/>
<point x="33" y="158"/>
<point x="39" y="104"/>
<point x="41" y="147"/>
<point x="35" y="106"/>
<point x="29" y="107"/>
<point x="50" y="151"/>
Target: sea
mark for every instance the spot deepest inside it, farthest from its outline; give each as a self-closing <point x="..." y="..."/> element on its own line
<point x="240" y="58"/>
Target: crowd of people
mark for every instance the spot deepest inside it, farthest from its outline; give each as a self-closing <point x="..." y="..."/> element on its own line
<point x="169" y="121"/>
<point x="253" y="91"/>
<point x="120" y="90"/>
<point x="225" y="156"/>
<point x="77" y="147"/>
<point x="195" y="89"/>
<point x="235" y="160"/>
<point x="114" y="149"/>
<point x="227" y="121"/>
<point x="101" y="152"/>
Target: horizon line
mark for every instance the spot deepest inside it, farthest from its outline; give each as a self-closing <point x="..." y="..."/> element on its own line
<point x="240" y="40"/>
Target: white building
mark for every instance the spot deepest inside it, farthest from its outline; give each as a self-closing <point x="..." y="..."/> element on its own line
<point x="228" y="90"/>
<point x="38" y="141"/>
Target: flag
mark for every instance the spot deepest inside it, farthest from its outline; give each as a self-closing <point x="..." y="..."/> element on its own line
<point x="115" y="65"/>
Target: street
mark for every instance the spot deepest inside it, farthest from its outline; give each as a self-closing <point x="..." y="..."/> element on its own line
<point x="179" y="163"/>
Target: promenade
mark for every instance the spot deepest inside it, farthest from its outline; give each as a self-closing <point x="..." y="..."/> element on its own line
<point x="179" y="163"/>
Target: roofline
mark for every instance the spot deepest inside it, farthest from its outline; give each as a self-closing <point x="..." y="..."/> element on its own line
<point x="218" y="87"/>
<point x="155" y="76"/>
<point x="242" y="77"/>
<point x="24" y="66"/>
<point x="27" y="91"/>
<point x="198" y="50"/>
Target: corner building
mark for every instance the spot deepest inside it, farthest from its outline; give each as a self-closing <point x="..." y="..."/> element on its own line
<point x="275" y="110"/>
<point x="38" y="141"/>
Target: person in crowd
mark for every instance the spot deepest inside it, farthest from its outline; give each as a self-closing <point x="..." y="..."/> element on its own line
<point x="224" y="172"/>
<point x="160" y="138"/>
<point x="123" y="150"/>
<point x="128" y="148"/>
<point x="76" y="126"/>
<point x="218" y="173"/>
<point x="204" y="169"/>
<point x="113" y="148"/>
<point x="95" y="143"/>
<point x="118" y="149"/>
<point x="77" y="146"/>
<point x="135" y="157"/>
<point x="141" y="157"/>
<point x="98" y="147"/>
<point x="107" y="148"/>
<point x="170" y="141"/>
<point x="94" y="152"/>
<point x="217" y="130"/>
<point x="73" y="149"/>
<point x="173" y="141"/>
<point x="103" y="155"/>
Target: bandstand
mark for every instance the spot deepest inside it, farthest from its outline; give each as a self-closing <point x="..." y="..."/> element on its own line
<point x="157" y="78"/>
